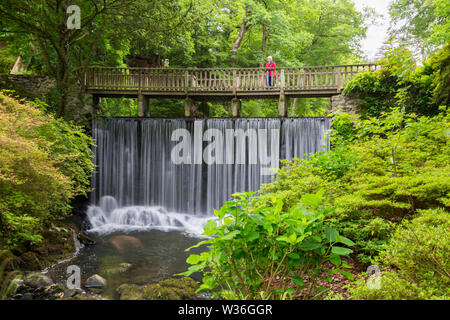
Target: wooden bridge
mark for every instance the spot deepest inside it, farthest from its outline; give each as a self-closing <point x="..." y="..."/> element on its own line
<point x="220" y="83"/>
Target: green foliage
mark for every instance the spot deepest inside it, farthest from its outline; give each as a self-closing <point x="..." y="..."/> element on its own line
<point x="441" y="63"/>
<point x="200" y="33"/>
<point x="379" y="171"/>
<point x="253" y="243"/>
<point x="422" y="25"/>
<point x="419" y="253"/>
<point x="7" y="278"/>
<point x="401" y="84"/>
<point x="44" y="163"/>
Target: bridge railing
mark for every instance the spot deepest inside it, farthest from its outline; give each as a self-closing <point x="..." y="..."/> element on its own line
<point x="222" y="79"/>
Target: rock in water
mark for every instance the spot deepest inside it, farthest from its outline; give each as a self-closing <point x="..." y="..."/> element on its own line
<point x="95" y="282"/>
<point x="169" y="289"/>
<point x="37" y="280"/>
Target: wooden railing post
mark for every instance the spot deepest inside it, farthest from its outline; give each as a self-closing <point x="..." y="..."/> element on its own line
<point x="139" y="81"/>
<point x="235" y="82"/>
<point x="282" y="80"/>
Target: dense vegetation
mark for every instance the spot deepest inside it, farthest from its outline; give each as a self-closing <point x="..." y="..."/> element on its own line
<point x="45" y="162"/>
<point x="380" y="196"/>
<point x="402" y="84"/>
<point x="384" y="188"/>
<point x="381" y="173"/>
<point x="193" y="33"/>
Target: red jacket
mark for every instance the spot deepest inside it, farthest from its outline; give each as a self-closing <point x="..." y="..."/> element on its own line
<point x="271" y="65"/>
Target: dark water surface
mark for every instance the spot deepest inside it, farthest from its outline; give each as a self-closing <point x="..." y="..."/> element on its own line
<point x="152" y="256"/>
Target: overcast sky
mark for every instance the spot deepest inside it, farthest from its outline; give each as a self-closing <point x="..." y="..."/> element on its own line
<point x="376" y="34"/>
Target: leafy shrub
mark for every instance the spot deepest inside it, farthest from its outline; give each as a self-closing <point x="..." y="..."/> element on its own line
<point x="380" y="171"/>
<point x="419" y="252"/>
<point x="254" y="243"/>
<point x="400" y="83"/>
<point x="44" y="162"/>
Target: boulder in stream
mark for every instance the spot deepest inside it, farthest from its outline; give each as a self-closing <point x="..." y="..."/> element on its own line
<point x="95" y="281"/>
<point x="37" y="280"/>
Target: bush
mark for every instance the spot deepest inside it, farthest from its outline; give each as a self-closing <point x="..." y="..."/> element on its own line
<point x="400" y="83"/>
<point x="44" y="162"/>
<point x="380" y="171"/>
<point x="253" y="244"/>
<point x="419" y="253"/>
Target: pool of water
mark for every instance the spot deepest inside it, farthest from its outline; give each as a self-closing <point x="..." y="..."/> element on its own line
<point x="142" y="257"/>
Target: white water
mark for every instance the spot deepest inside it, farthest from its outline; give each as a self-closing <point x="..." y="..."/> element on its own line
<point x="107" y="217"/>
<point x="138" y="187"/>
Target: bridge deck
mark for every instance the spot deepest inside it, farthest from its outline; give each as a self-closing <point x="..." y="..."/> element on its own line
<point x="221" y="83"/>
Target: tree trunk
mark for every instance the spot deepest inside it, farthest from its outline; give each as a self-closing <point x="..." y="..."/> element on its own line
<point x="265" y="36"/>
<point x="238" y="41"/>
<point x="293" y="104"/>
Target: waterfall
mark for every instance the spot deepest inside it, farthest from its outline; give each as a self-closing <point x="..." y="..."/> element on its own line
<point x="172" y="173"/>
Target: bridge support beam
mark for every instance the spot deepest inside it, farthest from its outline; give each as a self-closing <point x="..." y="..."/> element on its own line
<point x="95" y="104"/>
<point x="283" y="105"/>
<point x="236" y="108"/>
<point x="188" y="105"/>
<point x="143" y="106"/>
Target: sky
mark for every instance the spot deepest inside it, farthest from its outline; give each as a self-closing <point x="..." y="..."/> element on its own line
<point x="376" y="34"/>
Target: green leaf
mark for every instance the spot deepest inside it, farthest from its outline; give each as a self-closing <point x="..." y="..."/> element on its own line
<point x="298" y="281"/>
<point x="331" y="234"/>
<point x="278" y="206"/>
<point x="341" y="251"/>
<point x="283" y="238"/>
<point x="227" y="221"/>
<point x="335" y="259"/>
<point x="347" y="274"/>
<point x="309" y="245"/>
<point x="193" y="259"/>
<point x="344" y="240"/>
<point x="253" y="236"/>
<point x="210" y="227"/>
<point x="294" y="256"/>
<point x="198" y="245"/>
<point x="230" y="235"/>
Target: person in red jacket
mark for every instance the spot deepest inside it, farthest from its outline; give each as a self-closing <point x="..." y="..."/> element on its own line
<point x="271" y="72"/>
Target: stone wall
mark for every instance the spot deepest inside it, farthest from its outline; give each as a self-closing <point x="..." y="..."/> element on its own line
<point x="27" y="85"/>
<point x="343" y="103"/>
<point x="43" y="87"/>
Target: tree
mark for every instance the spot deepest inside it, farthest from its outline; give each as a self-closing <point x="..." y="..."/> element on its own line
<point x="423" y="25"/>
<point x="64" y="51"/>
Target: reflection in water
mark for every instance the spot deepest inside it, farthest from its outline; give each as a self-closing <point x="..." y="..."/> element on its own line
<point x="134" y="258"/>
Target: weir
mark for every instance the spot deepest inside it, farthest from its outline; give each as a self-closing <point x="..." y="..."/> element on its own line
<point x="148" y="168"/>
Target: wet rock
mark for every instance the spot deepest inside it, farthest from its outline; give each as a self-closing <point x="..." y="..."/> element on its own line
<point x="169" y="289"/>
<point x="68" y="293"/>
<point x="123" y="243"/>
<point x="96" y="290"/>
<point x="14" y="286"/>
<point x="115" y="269"/>
<point x="37" y="280"/>
<point x="95" y="281"/>
<point x="84" y="239"/>
<point x="27" y="296"/>
<point x="130" y="292"/>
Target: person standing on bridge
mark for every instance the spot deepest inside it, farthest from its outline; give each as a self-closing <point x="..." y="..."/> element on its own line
<point x="270" y="73"/>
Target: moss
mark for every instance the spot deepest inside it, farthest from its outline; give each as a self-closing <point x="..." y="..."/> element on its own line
<point x="57" y="244"/>
<point x="169" y="289"/>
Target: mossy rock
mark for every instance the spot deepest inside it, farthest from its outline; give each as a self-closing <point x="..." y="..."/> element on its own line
<point x="169" y="289"/>
<point x="55" y="245"/>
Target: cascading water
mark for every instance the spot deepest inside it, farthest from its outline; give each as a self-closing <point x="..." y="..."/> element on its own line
<point x="171" y="173"/>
